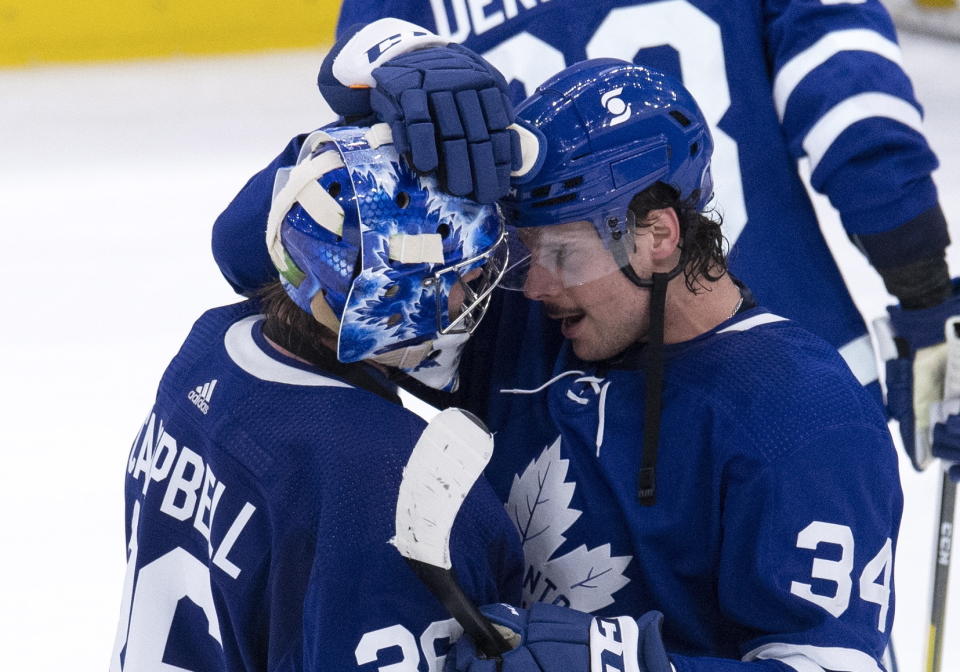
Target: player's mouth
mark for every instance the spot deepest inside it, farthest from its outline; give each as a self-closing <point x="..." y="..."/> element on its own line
<point x="568" y="327"/>
<point x="569" y="320"/>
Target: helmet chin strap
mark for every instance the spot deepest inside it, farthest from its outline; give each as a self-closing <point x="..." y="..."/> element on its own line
<point x="647" y="476"/>
<point x="408" y="357"/>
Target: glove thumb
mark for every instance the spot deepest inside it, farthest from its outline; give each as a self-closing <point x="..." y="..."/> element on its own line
<point x="653" y="655"/>
<point x="345" y="100"/>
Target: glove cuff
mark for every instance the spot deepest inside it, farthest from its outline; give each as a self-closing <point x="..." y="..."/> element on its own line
<point x="923" y="328"/>
<point x="375" y="44"/>
<point x="346" y="75"/>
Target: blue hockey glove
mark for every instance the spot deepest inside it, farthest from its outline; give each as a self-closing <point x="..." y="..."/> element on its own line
<point x="346" y="74"/>
<point x="556" y="639"/>
<point x="946" y="440"/>
<point x="912" y="344"/>
<point x="449" y="110"/>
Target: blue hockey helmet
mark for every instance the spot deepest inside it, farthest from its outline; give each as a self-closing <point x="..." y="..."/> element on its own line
<point x="610" y="129"/>
<point x="378" y="254"/>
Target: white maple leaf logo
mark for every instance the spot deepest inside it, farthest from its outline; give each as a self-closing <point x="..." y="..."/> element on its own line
<point x="539" y="504"/>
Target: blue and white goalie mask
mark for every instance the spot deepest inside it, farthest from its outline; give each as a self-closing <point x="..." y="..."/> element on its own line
<point x="396" y="268"/>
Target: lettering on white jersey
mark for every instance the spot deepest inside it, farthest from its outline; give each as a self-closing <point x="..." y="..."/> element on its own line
<point x="538" y="504"/>
<point x="456" y="19"/>
<point x="193" y="492"/>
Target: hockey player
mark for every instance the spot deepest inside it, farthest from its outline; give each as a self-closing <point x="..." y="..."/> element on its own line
<point x="761" y="520"/>
<point x="765" y="527"/>
<point x="693" y="460"/>
<point x="261" y="490"/>
<point x="777" y="80"/>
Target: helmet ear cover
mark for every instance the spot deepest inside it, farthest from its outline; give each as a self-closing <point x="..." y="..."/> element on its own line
<point x="372" y="250"/>
<point x="621" y="245"/>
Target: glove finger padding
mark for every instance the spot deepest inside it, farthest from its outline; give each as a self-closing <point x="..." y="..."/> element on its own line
<point x="449" y="111"/>
<point x="899" y="378"/>
<point x="651" y="649"/>
<point x="946" y="439"/>
<point x="912" y="345"/>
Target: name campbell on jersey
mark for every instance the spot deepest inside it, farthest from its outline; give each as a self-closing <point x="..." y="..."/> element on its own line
<point x="260" y="497"/>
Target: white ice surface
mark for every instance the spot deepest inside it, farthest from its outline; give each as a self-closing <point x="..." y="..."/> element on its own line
<point x="110" y="178"/>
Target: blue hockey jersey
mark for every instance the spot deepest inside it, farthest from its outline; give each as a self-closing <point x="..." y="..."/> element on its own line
<point x="260" y="496"/>
<point x="778" y="499"/>
<point x="776" y="80"/>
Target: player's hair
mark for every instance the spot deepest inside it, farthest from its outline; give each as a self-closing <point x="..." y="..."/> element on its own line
<point x="291" y="327"/>
<point x="702" y="241"/>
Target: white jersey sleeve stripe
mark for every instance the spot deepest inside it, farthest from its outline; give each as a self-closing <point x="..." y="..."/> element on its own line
<point x="860" y="357"/>
<point x="806" y="658"/>
<point x="856" y="108"/>
<point x="246" y="354"/>
<point x="856" y="39"/>
<point x="751" y="322"/>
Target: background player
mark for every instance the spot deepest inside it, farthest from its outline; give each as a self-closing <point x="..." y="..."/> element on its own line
<point x="263" y="485"/>
<point x="763" y="528"/>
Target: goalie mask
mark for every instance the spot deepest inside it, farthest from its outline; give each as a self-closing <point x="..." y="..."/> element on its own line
<point x="379" y="255"/>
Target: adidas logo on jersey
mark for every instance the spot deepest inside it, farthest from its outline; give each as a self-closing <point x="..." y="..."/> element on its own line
<point x="201" y="395"/>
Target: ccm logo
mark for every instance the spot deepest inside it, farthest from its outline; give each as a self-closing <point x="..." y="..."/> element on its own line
<point x="615" y="106"/>
<point x="613" y="645"/>
<point x="384" y="45"/>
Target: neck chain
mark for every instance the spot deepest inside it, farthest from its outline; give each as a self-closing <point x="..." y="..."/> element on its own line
<point x="736" y="308"/>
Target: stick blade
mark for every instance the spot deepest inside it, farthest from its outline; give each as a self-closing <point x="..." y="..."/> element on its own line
<point x="447" y="460"/>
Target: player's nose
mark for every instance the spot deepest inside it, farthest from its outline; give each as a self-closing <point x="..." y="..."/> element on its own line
<point x="541" y="283"/>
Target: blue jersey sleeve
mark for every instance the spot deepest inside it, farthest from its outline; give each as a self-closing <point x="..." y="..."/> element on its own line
<point x="239" y="232"/>
<point x="809" y="572"/>
<point x="846" y="103"/>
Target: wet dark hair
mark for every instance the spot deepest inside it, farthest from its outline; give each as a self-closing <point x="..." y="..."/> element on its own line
<point x="290" y="326"/>
<point x="704" y="249"/>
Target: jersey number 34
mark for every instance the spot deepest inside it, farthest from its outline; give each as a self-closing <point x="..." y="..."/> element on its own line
<point x="873" y="588"/>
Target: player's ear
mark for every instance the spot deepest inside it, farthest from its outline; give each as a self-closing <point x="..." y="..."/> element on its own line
<point x="664" y="226"/>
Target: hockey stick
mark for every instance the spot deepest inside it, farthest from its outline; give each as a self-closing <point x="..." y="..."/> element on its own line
<point x="948" y="496"/>
<point x="445" y="463"/>
<point x="941" y="573"/>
